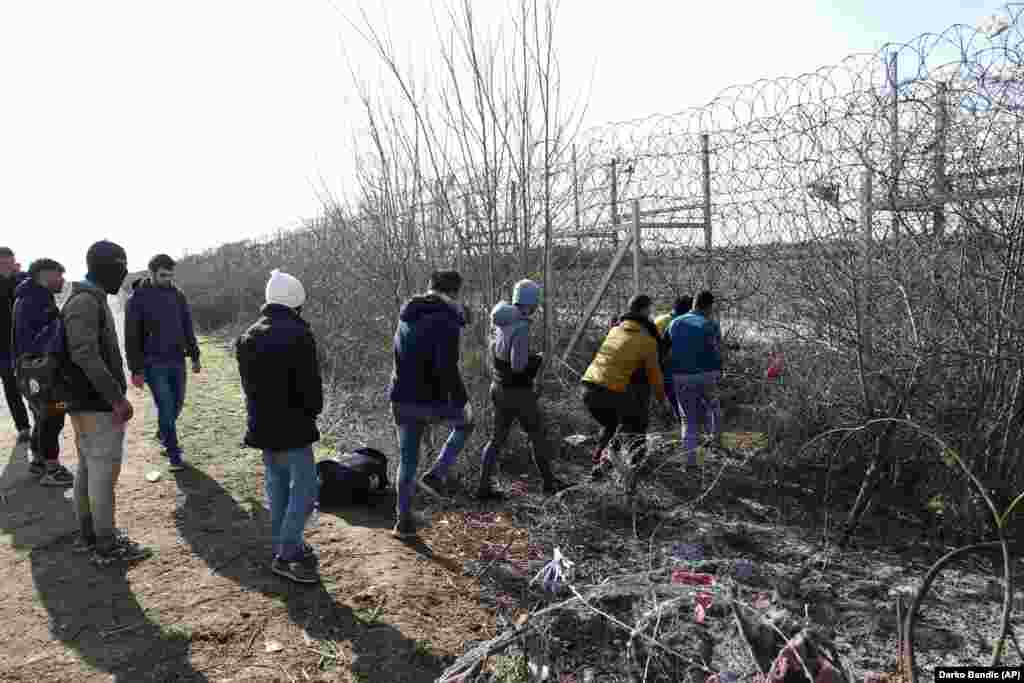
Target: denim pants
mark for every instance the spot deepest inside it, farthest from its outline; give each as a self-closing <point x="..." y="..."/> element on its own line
<point x="292" y="490"/>
<point x="410" y="423"/>
<point x="100" y="445"/>
<point x="698" y="395"/>
<point x="167" y="384"/>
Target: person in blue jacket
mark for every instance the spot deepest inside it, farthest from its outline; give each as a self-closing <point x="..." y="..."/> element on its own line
<point x="427" y="388"/>
<point x="35" y="315"/>
<point x="696" y="364"/>
<point x="158" y="335"/>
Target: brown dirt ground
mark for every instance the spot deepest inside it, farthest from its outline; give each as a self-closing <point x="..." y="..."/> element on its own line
<point x="205" y="607"/>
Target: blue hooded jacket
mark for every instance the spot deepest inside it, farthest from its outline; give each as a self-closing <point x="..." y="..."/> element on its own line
<point x="158" y="327"/>
<point x="696" y="345"/>
<point x="35" y="309"/>
<point x="426" y="370"/>
<point x="514" y="366"/>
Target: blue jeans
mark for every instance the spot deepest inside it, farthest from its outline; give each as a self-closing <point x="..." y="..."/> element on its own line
<point x="697" y="395"/>
<point x="410" y="425"/>
<point x="167" y="384"/>
<point x="292" y="489"/>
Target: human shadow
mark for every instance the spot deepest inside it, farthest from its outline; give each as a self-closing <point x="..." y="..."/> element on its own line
<point x="379" y="513"/>
<point x="235" y="543"/>
<point x="91" y="610"/>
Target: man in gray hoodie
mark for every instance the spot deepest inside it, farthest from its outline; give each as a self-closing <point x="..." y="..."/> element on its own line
<point x="512" y="388"/>
<point x="97" y="405"/>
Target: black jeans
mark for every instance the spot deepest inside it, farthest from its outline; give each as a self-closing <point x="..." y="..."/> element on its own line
<point x="518" y="404"/>
<point x="15" y="404"/>
<point x="624" y="412"/>
<point x="46" y="433"/>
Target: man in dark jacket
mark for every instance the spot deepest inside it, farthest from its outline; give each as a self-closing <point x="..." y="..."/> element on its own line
<point x="97" y="405"/>
<point x="35" y="328"/>
<point x="10" y="277"/>
<point x="280" y="372"/>
<point x="512" y="388"/>
<point x="427" y="387"/>
<point x="158" y="336"/>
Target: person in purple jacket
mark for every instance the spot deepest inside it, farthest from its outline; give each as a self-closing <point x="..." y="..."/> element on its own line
<point x="158" y="335"/>
<point x="35" y="331"/>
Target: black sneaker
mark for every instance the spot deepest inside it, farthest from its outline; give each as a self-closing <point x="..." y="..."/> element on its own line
<point x="433" y="485"/>
<point x="405" y="527"/>
<point x="37" y="467"/>
<point x="24" y="435"/>
<point x="300" y="571"/>
<point x="123" y="550"/>
<point x="84" y="545"/>
<point x="58" y="476"/>
<point x="554" y="486"/>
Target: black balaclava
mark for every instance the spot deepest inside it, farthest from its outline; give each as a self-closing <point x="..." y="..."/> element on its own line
<point x="108" y="265"/>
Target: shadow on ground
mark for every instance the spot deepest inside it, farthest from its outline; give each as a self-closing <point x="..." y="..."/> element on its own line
<point x="90" y="610"/>
<point x="235" y="543"/>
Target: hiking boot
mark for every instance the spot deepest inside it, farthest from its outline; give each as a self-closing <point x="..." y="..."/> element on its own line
<point x="433" y="485"/>
<point x="83" y="545"/>
<point x="24" y="435"/>
<point x="177" y="463"/>
<point x="302" y="570"/>
<point x="554" y="486"/>
<point x="122" y="550"/>
<point x="405" y="527"/>
<point x="57" y="476"/>
<point x="309" y="553"/>
<point x="37" y="467"/>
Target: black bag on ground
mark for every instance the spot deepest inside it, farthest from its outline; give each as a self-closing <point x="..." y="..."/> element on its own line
<point x="349" y="478"/>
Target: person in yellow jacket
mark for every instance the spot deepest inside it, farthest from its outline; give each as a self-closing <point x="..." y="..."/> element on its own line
<point x="629" y="353"/>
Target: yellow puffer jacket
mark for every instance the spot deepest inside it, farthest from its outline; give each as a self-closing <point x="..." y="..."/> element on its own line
<point x="627" y="348"/>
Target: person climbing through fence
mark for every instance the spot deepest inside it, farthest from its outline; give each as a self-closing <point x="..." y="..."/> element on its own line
<point x="697" y="370"/>
<point x="512" y="390"/>
<point x="629" y="352"/>
<point x="682" y="306"/>
<point x="280" y="372"/>
<point x="158" y="337"/>
<point x="10" y="278"/>
<point x="427" y="388"/>
<point x="37" y="332"/>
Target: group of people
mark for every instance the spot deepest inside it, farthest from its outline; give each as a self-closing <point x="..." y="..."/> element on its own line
<point x="79" y="342"/>
<point x="280" y="372"/>
<point x="677" y="357"/>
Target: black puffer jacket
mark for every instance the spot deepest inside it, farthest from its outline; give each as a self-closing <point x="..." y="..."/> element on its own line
<point x="280" y="372"/>
<point x="7" y="287"/>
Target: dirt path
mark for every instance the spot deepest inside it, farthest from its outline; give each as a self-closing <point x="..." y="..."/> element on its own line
<point x="205" y="607"/>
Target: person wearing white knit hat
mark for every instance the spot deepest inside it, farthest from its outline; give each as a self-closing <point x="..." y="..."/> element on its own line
<point x="280" y="371"/>
<point x="285" y="289"/>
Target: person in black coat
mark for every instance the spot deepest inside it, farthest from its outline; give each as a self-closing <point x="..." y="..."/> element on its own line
<point x="10" y="277"/>
<point x="280" y="372"/>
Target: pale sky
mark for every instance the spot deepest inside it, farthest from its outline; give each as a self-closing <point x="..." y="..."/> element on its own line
<point x="177" y="126"/>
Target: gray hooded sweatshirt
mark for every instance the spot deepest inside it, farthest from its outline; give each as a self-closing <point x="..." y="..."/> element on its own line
<point x="514" y="366"/>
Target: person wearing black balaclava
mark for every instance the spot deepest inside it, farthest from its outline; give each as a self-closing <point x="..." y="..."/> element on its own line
<point x="10" y="277"/>
<point x="97" y="405"/>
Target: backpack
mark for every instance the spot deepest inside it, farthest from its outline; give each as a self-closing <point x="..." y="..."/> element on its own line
<point x="349" y="478"/>
<point x="42" y="376"/>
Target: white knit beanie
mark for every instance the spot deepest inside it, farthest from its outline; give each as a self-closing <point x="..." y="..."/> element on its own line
<point x="285" y="289"/>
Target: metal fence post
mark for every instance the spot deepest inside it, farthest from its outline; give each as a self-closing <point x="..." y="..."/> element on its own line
<point x="636" y="247"/>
